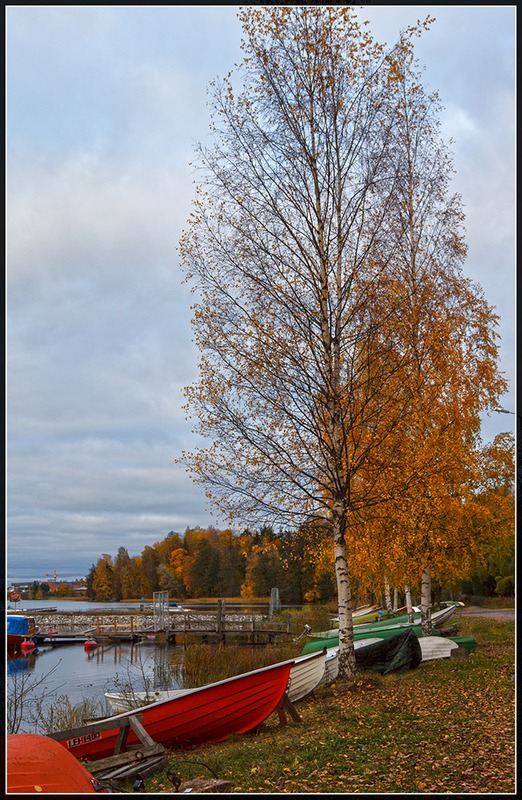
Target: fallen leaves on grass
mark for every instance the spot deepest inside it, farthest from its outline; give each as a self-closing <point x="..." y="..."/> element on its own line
<point x="445" y="727"/>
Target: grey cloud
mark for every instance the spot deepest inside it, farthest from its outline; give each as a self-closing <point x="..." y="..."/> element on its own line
<point x="104" y="104"/>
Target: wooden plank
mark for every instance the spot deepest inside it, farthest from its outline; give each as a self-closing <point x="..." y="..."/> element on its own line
<point x="126" y="763"/>
<point x="143" y="766"/>
<point x="284" y="706"/>
<point x="140" y="732"/>
<point x="121" y="741"/>
<point x="93" y="727"/>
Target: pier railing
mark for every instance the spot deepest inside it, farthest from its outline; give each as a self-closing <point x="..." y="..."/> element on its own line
<point x="182" y="626"/>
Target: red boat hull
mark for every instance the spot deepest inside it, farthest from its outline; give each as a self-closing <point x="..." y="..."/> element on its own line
<point x="25" y="630"/>
<point x="36" y="764"/>
<point x="211" y="713"/>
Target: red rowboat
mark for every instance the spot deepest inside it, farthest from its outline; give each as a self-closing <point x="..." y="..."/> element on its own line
<point x="36" y="764"/>
<point x="210" y="713"/>
<point x="305" y="676"/>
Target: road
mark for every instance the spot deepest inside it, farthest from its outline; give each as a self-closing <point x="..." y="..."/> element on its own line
<point x="503" y="614"/>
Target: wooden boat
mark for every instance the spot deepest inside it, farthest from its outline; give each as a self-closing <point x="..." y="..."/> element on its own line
<point x="438" y="618"/>
<point x="383" y="630"/>
<point x="211" y="713"/>
<point x="305" y="675"/>
<point x="314" y="645"/>
<point x="20" y="629"/>
<point x="37" y="764"/>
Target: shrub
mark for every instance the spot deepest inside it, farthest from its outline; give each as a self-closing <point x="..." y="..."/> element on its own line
<point x="505" y="587"/>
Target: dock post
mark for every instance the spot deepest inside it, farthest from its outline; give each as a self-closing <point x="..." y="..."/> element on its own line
<point x="220" y="626"/>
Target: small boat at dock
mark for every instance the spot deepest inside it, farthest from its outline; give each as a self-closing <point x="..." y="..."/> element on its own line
<point x="20" y="629"/>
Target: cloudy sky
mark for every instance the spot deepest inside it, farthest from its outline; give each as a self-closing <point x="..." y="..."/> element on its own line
<point x="104" y="104"/>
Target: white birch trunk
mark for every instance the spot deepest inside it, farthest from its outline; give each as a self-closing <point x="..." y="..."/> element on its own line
<point x="387" y="597"/>
<point x="425" y="602"/>
<point x="409" y="609"/>
<point x="346" y="648"/>
<point x="395" y="600"/>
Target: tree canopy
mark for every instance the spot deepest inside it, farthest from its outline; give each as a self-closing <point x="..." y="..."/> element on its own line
<point x="344" y="356"/>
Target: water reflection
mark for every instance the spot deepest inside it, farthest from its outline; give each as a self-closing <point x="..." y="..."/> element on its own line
<point x="21" y="662"/>
<point x="84" y="674"/>
<point x="50" y="673"/>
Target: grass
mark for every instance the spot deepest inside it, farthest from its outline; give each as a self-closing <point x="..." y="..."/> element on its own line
<point x="494" y="602"/>
<point x="203" y="664"/>
<point x="446" y="727"/>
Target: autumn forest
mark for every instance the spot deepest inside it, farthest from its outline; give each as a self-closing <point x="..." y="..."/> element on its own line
<point x="220" y="563"/>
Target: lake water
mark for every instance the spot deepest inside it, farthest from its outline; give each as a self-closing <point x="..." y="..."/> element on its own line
<point x="80" y="675"/>
<point x="72" y="671"/>
<point x="69" y="605"/>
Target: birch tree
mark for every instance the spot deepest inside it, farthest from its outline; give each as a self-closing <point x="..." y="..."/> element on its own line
<point x="293" y="249"/>
<point x="448" y="329"/>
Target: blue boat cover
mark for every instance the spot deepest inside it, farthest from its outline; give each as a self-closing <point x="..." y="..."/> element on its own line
<point x="17" y="625"/>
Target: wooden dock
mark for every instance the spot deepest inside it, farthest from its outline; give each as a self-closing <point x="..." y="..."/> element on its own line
<point x="188" y="627"/>
<point x="60" y="638"/>
<point x="180" y="628"/>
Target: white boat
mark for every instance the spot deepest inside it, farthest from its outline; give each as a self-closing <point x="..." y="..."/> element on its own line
<point x="438" y="618"/>
<point x="125" y="701"/>
<point x="306" y="674"/>
<point x="436" y="647"/>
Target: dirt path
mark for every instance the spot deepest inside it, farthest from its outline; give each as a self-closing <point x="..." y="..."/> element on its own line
<point x="503" y="614"/>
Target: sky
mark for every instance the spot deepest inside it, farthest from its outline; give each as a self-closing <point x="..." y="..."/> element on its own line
<point x="103" y="107"/>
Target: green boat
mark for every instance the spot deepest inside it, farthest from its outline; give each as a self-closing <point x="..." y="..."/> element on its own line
<point x="467" y="642"/>
<point x="313" y="645"/>
<point x="438" y="618"/>
<point x="372" y="616"/>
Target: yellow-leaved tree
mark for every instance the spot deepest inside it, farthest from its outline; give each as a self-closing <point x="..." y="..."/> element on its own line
<point x="331" y="314"/>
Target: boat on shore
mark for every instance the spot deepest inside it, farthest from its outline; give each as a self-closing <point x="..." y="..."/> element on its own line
<point x="383" y="629"/>
<point x="402" y="651"/>
<point x="211" y="713"/>
<point x="431" y="647"/>
<point x="37" y="764"/>
<point x="313" y="645"/>
<point x="305" y="675"/>
<point x="437" y="618"/>
<point x="429" y="644"/>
